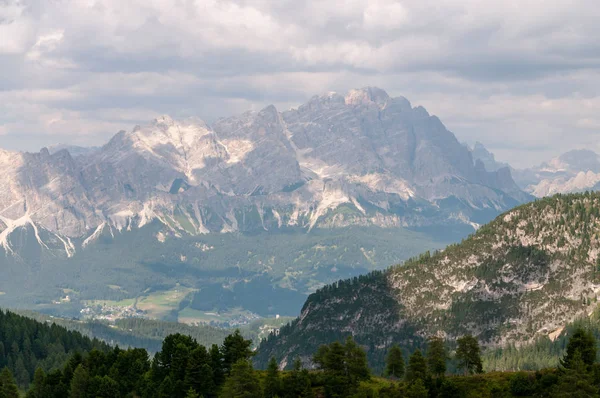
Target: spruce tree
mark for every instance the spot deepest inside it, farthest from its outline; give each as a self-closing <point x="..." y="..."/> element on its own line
<point x="297" y="384"/>
<point x="417" y="390"/>
<point x="436" y="356"/>
<point x="468" y="355"/>
<point x="584" y="343"/>
<point x="357" y="366"/>
<point x="216" y="364"/>
<point x="235" y="348"/>
<point x="191" y="394"/>
<point x="417" y="367"/>
<point x="575" y="381"/>
<point x="395" y="363"/>
<point x="8" y="386"/>
<point x="37" y="388"/>
<point x="273" y="379"/>
<point x="79" y="383"/>
<point x="242" y="382"/>
<point x="199" y="375"/>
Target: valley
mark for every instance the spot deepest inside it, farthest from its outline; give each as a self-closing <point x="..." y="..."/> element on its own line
<point x="243" y="218"/>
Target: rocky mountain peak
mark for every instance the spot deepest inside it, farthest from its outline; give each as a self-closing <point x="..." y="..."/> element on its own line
<point x="366" y="95"/>
<point x="374" y="154"/>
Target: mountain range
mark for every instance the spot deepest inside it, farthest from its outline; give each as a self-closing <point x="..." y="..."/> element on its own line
<point x="574" y="171"/>
<point x="343" y="184"/>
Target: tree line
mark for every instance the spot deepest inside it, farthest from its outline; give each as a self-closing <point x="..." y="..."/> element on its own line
<point x="184" y="368"/>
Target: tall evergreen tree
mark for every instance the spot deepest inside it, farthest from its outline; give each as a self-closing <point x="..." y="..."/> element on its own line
<point x="273" y="380"/>
<point x="235" y="348"/>
<point x="468" y="355"/>
<point x="37" y="388"/>
<point x="345" y="366"/>
<point x="575" y="381"/>
<point x="242" y="382"/>
<point x="8" y="386"/>
<point x="297" y="384"/>
<point x="216" y="364"/>
<point x="357" y="366"/>
<point x="417" y="390"/>
<point x="436" y="356"/>
<point x="584" y="343"/>
<point x="199" y="375"/>
<point x="395" y="365"/>
<point x="79" y="383"/>
<point x="417" y="367"/>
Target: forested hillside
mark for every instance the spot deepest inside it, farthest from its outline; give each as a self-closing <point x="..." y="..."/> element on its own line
<point x="26" y="345"/>
<point x="524" y="276"/>
<point x="136" y="332"/>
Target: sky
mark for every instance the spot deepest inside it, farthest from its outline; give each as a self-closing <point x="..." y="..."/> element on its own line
<point x="520" y="76"/>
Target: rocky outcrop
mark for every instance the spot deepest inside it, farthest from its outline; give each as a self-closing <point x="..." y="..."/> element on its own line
<point x="523" y="276"/>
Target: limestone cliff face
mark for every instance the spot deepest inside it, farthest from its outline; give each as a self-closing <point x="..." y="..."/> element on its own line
<point x="339" y="160"/>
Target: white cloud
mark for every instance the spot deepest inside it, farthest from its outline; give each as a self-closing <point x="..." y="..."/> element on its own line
<point x="518" y="75"/>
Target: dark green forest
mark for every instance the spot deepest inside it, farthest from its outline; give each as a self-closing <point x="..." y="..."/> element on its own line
<point x="49" y="361"/>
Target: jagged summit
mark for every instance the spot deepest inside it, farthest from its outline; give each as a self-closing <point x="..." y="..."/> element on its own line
<point x="366" y="95"/>
<point x="387" y="163"/>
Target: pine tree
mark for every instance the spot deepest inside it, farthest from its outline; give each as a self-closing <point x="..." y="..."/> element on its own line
<point x="436" y="356"/>
<point x="395" y="363"/>
<point x="273" y="380"/>
<point x="199" y="375"/>
<point x="79" y="383"/>
<point x="37" y="389"/>
<point x="468" y="355"/>
<point x="297" y="384"/>
<point x="165" y="390"/>
<point x="357" y="366"/>
<point x="575" y="380"/>
<point x="8" y="386"/>
<point x="235" y="348"/>
<point x="345" y="367"/>
<point x="417" y="390"/>
<point x="417" y="367"/>
<point x="191" y="394"/>
<point x="242" y="382"/>
<point x="584" y="343"/>
<point x="216" y="364"/>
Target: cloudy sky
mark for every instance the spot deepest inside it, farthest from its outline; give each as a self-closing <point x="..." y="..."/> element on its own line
<point x="521" y="76"/>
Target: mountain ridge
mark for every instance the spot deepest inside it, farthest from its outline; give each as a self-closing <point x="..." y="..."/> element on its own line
<point x="341" y="185"/>
<point x="525" y="275"/>
<point x="292" y="167"/>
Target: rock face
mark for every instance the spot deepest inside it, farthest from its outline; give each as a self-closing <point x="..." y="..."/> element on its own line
<point x="524" y="275"/>
<point x="380" y="160"/>
<point x="574" y="171"/>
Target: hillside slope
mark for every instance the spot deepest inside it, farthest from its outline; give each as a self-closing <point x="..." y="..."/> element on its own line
<point x="524" y="275"/>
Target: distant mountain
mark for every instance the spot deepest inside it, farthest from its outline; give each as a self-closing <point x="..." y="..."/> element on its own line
<point x="573" y="171"/>
<point x="523" y="276"/>
<point x="480" y="153"/>
<point x="363" y="163"/>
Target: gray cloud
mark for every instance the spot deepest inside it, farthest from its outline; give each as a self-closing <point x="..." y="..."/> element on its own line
<point x="522" y="76"/>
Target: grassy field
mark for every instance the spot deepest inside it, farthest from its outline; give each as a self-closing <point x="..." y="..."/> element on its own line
<point x="111" y="303"/>
<point x="158" y="304"/>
